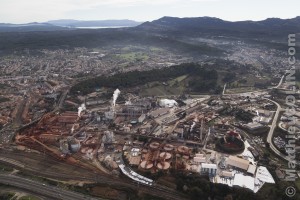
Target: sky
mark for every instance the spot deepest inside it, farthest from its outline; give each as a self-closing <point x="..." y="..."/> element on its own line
<point x="24" y="11"/>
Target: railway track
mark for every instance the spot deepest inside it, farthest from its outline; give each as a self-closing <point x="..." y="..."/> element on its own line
<point x="13" y="159"/>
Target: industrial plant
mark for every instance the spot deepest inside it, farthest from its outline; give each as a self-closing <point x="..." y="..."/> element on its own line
<point x="135" y="136"/>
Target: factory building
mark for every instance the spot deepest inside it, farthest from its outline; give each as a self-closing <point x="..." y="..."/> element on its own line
<point x="264" y="113"/>
<point x="253" y="126"/>
<point x="199" y="158"/>
<point x="159" y="112"/>
<point x="237" y="162"/>
<point x="210" y="169"/>
<point x="243" y="181"/>
<point x="141" y="118"/>
<point x="227" y="174"/>
<point x="251" y="169"/>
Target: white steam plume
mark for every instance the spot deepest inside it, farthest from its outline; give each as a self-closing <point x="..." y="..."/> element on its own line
<point x="80" y="109"/>
<point x="115" y="96"/>
<point x="72" y="129"/>
<point x="193" y="125"/>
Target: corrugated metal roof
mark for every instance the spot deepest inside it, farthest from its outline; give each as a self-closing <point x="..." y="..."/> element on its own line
<point x="238" y="162"/>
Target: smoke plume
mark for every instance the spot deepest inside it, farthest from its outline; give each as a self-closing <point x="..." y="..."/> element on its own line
<point x="115" y="96"/>
<point x="80" y="109"/>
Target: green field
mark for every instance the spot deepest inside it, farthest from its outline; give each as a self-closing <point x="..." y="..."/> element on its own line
<point x="249" y="81"/>
<point x="127" y="48"/>
<point x="155" y="49"/>
<point x="133" y="56"/>
<point x="174" y="86"/>
<point x="240" y="90"/>
<point x="175" y="82"/>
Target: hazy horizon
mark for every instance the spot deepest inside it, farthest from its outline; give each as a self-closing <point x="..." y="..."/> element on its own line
<point x="141" y="21"/>
<point x="18" y="11"/>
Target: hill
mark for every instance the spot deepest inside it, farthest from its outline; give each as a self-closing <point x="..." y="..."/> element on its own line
<point x="6" y="27"/>
<point x="65" y="24"/>
<point x="208" y="25"/>
<point x="94" y="23"/>
<point x="174" y="34"/>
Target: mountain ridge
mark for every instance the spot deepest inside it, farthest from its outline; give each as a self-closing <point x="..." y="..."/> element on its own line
<point x="198" y="26"/>
<point x="167" y="24"/>
<point x="182" y="34"/>
<point x="89" y="23"/>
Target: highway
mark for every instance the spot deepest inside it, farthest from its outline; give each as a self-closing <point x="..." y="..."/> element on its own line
<point x="274" y="123"/>
<point x="42" y="189"/>
<point x="271" y="132"/>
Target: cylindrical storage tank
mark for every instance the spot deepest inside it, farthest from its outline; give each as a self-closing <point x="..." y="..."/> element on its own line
<point x="163" y="165"/>
<point x="165" y="155"/>
<point x="168" y="147"/>
<point x="154" y="145"/>
<point x="83" y="150"/>
<point x="146" y="164"/>
<point x="183" y="149"/>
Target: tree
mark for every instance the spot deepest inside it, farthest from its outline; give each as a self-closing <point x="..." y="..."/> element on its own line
<point x="196" y="193"/>
<point x="228" y="197"/>
<point x="179" y="184"/>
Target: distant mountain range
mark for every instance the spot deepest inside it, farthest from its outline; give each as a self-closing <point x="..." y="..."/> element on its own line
<point x="95" y="23"/>
<point x="5" y="27"/>
<point x="208" y="25"/>
<point x="177" y="34"/>
<point x="66" y="24"/>
<point x="171" y="25"/>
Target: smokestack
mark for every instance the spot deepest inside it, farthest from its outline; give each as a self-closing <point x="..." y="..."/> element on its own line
<point x="115" y="97"/>
<point x="201" y="130"/>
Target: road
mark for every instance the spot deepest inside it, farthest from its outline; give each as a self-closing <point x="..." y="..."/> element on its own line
<point x="274" y="124"/>
<point x="271" y="132"/>
<point x="224" y="88"/>
<point x="244" y="93"/>
<point x="277" y="86"/>
<point x="42" y="189"/>
<point x="280" y="82"/>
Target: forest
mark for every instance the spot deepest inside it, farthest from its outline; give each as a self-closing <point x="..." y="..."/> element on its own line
<point x="203" y="78"/>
